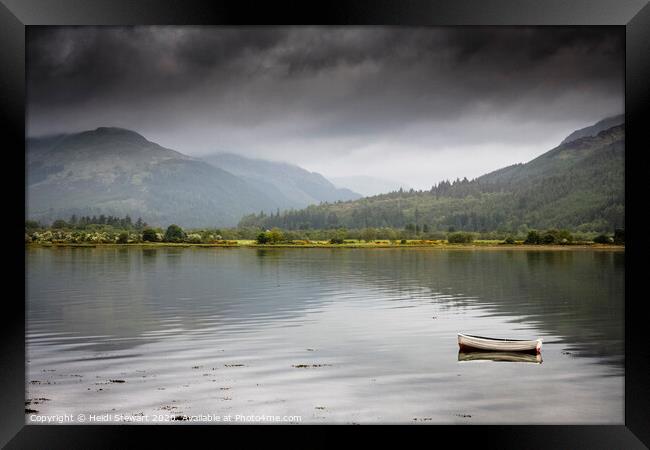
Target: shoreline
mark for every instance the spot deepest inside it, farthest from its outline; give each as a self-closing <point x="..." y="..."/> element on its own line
<point x="470" y="246"/>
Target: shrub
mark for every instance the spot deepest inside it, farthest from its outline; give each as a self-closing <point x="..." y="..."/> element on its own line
<point x="149" y="235"/>
<point x="533" y="237"/>
<point x="403" y="241"/>
<point x="123" y="238"/>
<point x="45" y="236"/>
<point x="194" y="238"/>
<point x="619" y="236"/>
<point x="509" y="240"/>
<point x="275" y="236"/>
<point x="562" y="236"/>
<point x="460" y="238"/>
<point x="548" y="238"/>
<point x="557" y="237"/>
<point x="337" y="237"/>
<point x="601" y="239"/>
<point x="174" y="233"/>
<point x="207" y="238"/>
<point x="368" y="234"/>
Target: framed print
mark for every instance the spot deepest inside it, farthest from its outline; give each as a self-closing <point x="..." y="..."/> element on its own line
<point x="412" y="215"/>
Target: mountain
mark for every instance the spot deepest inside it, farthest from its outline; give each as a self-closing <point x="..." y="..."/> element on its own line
<point x="114" y="171"/>
<point x="289" y="185"/>
<point x="367" y="185"/>
<point x="578" y="185"/>
<point x="593" y="130"/>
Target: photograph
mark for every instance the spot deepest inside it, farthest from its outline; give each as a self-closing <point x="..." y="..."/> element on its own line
<point x="325" y="225"/>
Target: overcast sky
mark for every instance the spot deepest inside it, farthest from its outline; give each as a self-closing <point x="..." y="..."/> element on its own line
<point x="417" y="105"/>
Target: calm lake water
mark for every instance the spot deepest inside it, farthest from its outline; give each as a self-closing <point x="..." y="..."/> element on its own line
<point x="330" y="335"/>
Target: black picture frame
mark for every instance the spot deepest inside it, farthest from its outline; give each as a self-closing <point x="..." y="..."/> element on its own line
<point x="634" y="15"/>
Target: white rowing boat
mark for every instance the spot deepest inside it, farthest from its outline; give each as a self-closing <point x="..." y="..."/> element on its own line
<point x="467" y="342"/>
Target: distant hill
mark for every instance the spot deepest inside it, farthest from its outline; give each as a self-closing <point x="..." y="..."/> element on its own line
<point x="578" y="185"/>
<point x="593" y="130"/>
<point x="367" y="185"/>
<point x="289" y="185"/>
<point x="116" y="171"/>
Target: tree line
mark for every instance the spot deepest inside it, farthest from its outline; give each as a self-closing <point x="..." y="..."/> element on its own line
<point x="83" y="222"/>
<point x="176" y="234"/>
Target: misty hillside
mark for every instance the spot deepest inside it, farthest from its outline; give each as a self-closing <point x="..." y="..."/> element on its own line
<point x="578" y="185"/>
<point x="115" y="171"/>
<point x="289" y="185"/>
<point x="368" y="185"/>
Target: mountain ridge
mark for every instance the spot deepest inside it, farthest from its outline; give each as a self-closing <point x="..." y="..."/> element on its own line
<point x="594" y="129"/>
<point x="292" y="185"/>
<point x="368" y="185"/>
<point x="578" y="185"/>
<point x="117" y="171"/>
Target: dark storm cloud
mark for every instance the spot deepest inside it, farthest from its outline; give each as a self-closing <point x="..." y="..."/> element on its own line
<point x="305" y="90"/>
<point x="69" y="64"/>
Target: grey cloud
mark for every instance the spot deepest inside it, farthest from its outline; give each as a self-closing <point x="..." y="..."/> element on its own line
<point x="288" y="92"/>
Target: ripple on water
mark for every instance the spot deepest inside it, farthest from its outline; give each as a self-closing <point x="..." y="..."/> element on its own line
<point x="366" y="336"/>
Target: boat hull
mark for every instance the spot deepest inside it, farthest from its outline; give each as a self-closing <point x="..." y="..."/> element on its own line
<point x="469" y="343"/>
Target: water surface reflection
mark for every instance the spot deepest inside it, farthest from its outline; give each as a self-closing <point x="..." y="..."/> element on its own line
<point x="334" y="335"/>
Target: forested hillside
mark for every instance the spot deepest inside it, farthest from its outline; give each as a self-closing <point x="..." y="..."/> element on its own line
<point x="113" y="171"/>
<point x="578" y="185"/>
